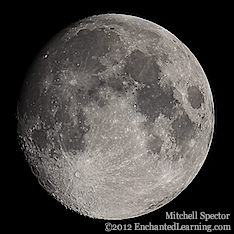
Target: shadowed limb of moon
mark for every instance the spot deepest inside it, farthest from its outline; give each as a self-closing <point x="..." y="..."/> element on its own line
<point x="115" y="116"/>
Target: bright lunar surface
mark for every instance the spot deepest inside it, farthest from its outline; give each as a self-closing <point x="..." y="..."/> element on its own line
<point x="115" y="116"/>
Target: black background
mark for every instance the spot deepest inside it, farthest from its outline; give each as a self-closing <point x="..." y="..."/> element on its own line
<point x="203" y="29"/>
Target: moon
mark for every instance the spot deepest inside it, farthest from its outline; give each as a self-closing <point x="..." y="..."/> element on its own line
<point x="115" y="117"/>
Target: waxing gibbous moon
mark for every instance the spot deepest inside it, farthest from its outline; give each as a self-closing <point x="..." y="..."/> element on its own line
<point x="115" y="116"/>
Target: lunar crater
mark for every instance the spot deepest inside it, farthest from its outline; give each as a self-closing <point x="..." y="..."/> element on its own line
<point x="114" y="118"/>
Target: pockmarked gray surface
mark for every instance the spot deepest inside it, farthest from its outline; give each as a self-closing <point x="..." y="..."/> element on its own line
<point x="115" y="116"/>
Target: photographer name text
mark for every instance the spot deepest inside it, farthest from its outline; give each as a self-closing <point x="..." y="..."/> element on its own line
<point x="175" y="216"/>
<point x="195" y="215"/>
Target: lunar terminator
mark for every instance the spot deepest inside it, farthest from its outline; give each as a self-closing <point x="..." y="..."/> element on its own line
<point x="115" y="116"/>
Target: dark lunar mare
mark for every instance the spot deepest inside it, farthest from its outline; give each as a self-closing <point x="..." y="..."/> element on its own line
<point x="183" y="130"/>
<point x="154" y="144"/>
<point x="153" y="100"/>
<point x="195" y="97"/>
<point x="52" y="126"/>
<point x="77" y="54"/>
